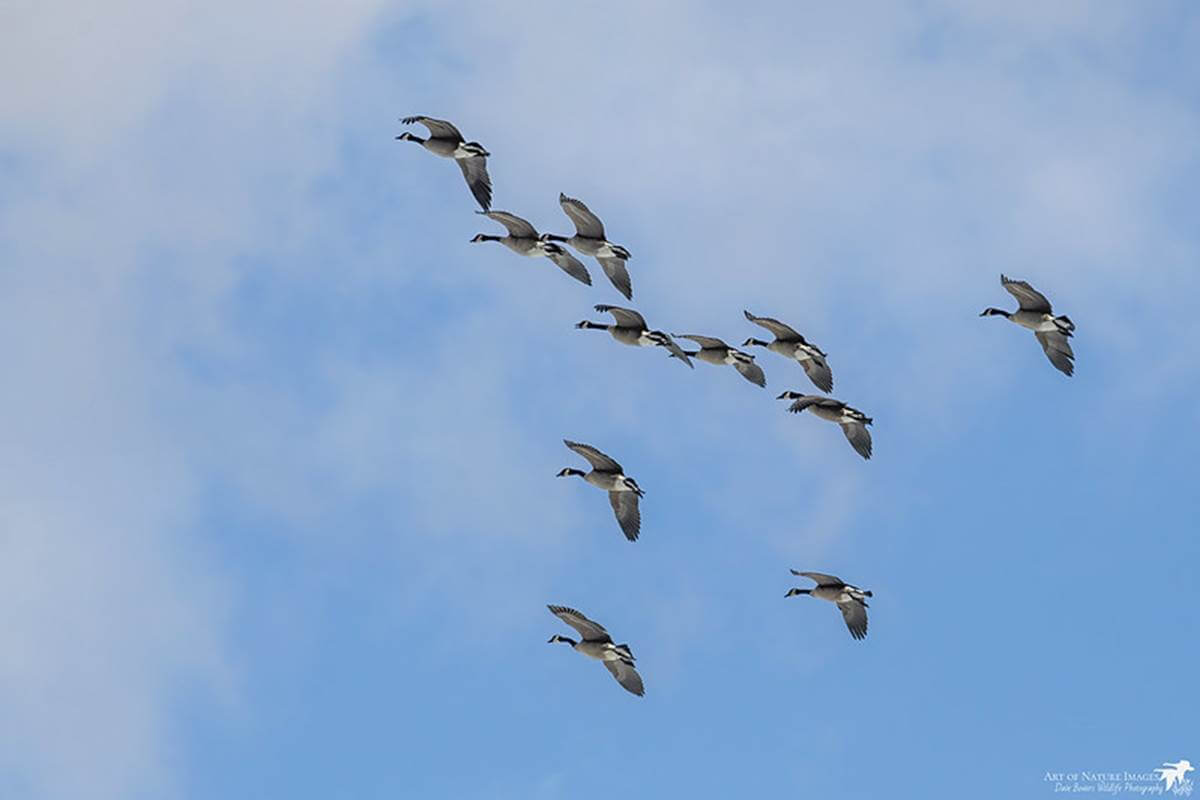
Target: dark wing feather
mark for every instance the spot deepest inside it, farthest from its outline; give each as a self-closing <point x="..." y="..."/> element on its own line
<point x="1028" y="298"/>
<point x="598" y="460"/>
<point x="859" y="437"/>
<point x="571" y="265"/>
<point x="707" y="342"/>
<point x="587" y="224"/>
<point x="821" y="578"/>
<point x="817" y="370"/>
<point x="625" y="317"/>
<point x="516" y="226"/>
<point x="589" y="630"/>
<point x="855" y="614"/>
<point x="615" y="269"/>
<point x="474" y="169"/>
<point x="627" y="676"/>
<point x="782" y="332"/>
<point x="1058" y="350"/>
<point x="751" y="372"/>
<point x="438" y="128"/>
<point x="625" y="507"/>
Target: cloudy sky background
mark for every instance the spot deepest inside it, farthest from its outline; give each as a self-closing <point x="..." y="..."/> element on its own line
<point x="277" y="507"/>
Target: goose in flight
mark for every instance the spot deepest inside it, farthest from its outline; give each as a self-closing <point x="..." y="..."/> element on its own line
<point x="851" y="600"/>
<point x="445" y="141"/>
<point x="596" y="643"/>
<point x="631" y="329"/>
<point x="854" y="423"/>
<point x="790" y="344"/>
<point x="590" y="240"/>
<point x="523" y="240"/>
<point x="607" y="474"/>
<point x="715" y="351"/>
<point x="1035" y="314"/>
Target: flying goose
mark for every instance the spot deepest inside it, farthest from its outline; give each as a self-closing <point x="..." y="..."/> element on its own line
<point x="854" y="423"/>
<point x="790" y="344"/>
<point x="1035" y="314"/>
<point x="715" y="351"/>
<point x="631" y="329"/>
<point x="523" y="240"/>
<point x="850" y="599"/>
<point x="607" y="474"/>
<point x="445" y="141"/>
<point x="596" y="643"/>
<point x="589" y="239"/>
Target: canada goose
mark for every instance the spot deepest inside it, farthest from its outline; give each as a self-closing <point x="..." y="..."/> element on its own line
<point x="607" y="474"/>
<point x="850" y="599"/>
<point x="523" y="240"/>
<point x="1035" y="314"/>
<point x="596" y="643"/>
<point x="445" y="141"/>
<point x="715" y="351"/>
<point x="854" y="423"/>
<point x="790" y="344"/>
<point x="589" y="239"/>
<point x="631" y="329"/>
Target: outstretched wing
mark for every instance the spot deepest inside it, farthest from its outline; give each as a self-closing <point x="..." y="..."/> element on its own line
<point x="1029" y="298"/>
<point x="821" y="578"/>
<point x="474" y="169"/>
<point x="859" y="437"/>
<point x="625" y="317"/>
<point x="751" y="372"/>
<point x="803" y="402"/>
<point x="782" y="332"/>
<point x="627" y="676"/>
<point x="817" y="370"/>
<point x="597" y="459"/>
<point x="615" y="269"/>
<point x="625" y="507"/>
<point x="438" y="128"/>
<point x="589" y="630"/>
<point x="707" y="342"/>
<point x="663" y="340"/>
<point x="570" y="265"/>
<point x="586" y="223"/>
<point x="516" y="226"/>
<point x="855" y="614"/>
<point x="1058" y="350"/>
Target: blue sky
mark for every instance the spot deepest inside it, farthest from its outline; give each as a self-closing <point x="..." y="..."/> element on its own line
<point x="278" y="515"/>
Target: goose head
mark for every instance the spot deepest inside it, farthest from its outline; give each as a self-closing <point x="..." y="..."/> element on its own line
<point x="995" y="312"/>
<point x="752" y="342"/>
<point x="794" y="592"/>
<point x="789" y="395"/>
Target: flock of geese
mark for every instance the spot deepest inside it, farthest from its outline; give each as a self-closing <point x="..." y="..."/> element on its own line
<point x="629" y="327"/>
